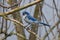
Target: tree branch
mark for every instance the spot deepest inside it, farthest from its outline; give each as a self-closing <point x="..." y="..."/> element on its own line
<point x="50" y="30"/>
<point x="20" y="8"/>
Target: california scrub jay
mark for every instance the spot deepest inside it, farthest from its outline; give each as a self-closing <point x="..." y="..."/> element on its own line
<point x="29" y="19"/>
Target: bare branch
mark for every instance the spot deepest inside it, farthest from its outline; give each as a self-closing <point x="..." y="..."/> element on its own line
<point x="11" y="5"/>
<point x="20" y="8"/>
<point x="50" y="30"/>
<point x="22" y="26"/>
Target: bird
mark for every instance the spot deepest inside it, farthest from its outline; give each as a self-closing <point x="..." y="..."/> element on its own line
<point x="30" y="19"/>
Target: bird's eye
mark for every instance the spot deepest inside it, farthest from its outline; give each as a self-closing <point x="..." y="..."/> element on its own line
<point x="23" y="14"/>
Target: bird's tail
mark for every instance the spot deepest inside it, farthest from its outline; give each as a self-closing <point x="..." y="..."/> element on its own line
<point x="44" y="24"/>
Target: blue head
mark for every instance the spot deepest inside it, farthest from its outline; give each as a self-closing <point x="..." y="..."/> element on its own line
<point x="25" y="13"/>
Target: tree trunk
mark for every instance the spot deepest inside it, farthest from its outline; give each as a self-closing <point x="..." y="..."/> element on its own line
<point x="17" y="17"/>
<point x="37" y="12"/>
<point x="35" y="27"/>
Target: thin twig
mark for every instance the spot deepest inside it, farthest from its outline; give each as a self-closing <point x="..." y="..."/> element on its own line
<point x="11" y="5"/>
<point x="23" y="26"/>
<point x="55" y="8"/>
<point x="47" y="23"/>
<point x="20" y="8"/>
<point x="55" y="25"/>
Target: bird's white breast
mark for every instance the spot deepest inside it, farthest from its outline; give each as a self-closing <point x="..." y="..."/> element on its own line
<point x="24" y="16"/>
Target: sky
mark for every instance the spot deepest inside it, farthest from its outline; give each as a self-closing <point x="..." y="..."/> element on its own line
<point x="48" y="12"/>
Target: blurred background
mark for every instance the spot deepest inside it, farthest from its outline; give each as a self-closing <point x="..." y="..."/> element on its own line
<point x="47" y="11"/>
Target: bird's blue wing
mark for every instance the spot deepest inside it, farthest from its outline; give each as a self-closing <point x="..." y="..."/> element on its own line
<point x="31" y="18"/>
